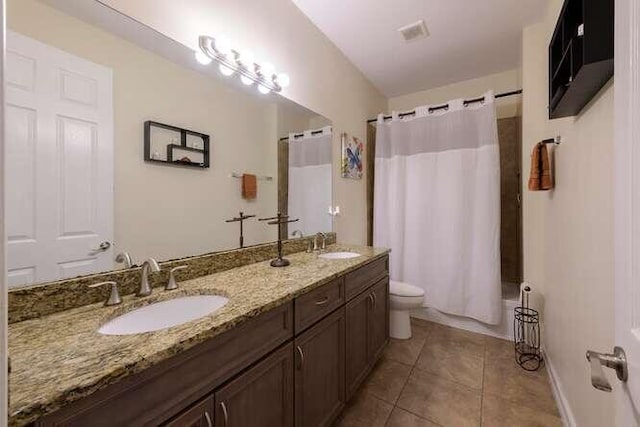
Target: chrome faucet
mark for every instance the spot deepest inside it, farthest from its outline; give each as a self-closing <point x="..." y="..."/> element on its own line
<point x="297" y="233"/>
<point x="145" y="289"/>
<point x="323" y="246"/>
<point x="124" y="258"/>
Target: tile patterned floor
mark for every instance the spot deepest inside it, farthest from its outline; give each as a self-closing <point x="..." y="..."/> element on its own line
<point x="449" y="377"/>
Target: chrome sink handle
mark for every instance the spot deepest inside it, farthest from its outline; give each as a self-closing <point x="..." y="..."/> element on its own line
<point x="145" y="289"/>
<point x="114" y="295"/>
<point x="172" y="284"/>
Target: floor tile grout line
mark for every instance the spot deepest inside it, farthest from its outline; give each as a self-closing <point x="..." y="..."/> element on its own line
<point x="408" y="410"/>
<point x="413" y="367"/>
<point x="448" y="355"/>
<point x="486" y="358"/>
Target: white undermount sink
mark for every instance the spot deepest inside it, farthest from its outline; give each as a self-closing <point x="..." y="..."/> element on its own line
<point x="163" y="314"/>
<point x="339" y="255"/>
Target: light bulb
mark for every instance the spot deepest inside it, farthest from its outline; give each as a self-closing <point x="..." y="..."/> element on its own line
<point x="202" y="58"/>
<point x="267" y="69"/>
<point x="225" y="70"/>
<point x="222" y="45"/>
<point x="246" y="80"/>
<point x="247" y="58"/>
<point x="263" y="89"/>
<point x="283" y="79"/>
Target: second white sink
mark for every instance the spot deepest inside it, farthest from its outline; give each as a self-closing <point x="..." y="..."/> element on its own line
<point x="339" y="255"/>
<point x="163" y="314"/>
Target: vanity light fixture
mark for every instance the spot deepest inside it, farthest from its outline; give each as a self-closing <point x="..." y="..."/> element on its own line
<point x="202" y="58"/>
<point x="263" y="75"/>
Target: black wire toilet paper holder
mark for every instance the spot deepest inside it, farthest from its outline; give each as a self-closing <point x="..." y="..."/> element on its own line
<point x="526" y="335"/>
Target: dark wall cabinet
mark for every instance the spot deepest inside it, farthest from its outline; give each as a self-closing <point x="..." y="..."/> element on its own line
<point x="580" y="55"/>
<point x="297" y="364"/>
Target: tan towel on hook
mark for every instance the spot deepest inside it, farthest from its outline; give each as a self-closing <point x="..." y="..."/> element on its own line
<point x="249" y="186"/>
<point x="540" y="174"/>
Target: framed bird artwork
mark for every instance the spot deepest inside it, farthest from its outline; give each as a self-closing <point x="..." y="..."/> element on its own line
<point x="352" y="155"/>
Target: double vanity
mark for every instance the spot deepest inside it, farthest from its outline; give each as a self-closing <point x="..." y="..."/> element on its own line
<point x="259" y="346"/>
<point x="156" y="155"/>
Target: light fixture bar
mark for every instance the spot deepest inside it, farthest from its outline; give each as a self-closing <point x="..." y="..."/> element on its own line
<point x="232" y="60"/>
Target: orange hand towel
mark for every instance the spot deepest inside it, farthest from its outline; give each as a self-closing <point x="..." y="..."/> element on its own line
<point x="249" y="186"/>
<point x="540" y="174"/>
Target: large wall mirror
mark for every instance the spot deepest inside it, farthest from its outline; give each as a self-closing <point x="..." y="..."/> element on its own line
<point x="82" y="82"/>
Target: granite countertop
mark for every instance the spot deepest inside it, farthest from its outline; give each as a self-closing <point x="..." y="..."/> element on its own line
<point x="59" y="358"/>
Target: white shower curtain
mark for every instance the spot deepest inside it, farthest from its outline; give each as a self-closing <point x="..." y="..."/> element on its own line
<point x="310" y="181"/>
<point x="437" y="205"/>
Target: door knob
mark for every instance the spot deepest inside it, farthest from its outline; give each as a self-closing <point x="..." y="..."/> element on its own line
<point x="616" y="361"/>
<point x="102" y="247"/>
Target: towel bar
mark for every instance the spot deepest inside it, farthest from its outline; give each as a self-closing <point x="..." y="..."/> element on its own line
<point x="258" y="177"/>
<point x="556" y="140"/>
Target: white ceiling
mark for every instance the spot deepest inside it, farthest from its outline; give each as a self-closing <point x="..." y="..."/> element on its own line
<point x="468" y="38"/>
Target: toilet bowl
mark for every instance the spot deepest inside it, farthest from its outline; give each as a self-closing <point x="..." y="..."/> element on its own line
<point x="402" y="298"/>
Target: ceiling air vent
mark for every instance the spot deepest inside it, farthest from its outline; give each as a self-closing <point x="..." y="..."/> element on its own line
<point x="414" y="31"/>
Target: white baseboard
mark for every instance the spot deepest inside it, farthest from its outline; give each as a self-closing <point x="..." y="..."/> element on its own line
<point x="566" y="414"/>
<point x="503" y="330"/>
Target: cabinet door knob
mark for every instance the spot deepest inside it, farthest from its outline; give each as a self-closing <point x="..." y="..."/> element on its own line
<point x="371" y="298"/>
<point x="375" y="299"/>
<point x="208" y="418"/>
<point x="301" y="353"/>
<point x="225" y="414"/>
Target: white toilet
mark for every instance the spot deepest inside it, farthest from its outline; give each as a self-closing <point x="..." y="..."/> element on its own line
<point x="402" y="298"/>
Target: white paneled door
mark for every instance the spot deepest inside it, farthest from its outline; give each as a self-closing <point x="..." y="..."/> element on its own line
<point x="59" y="163"/>
<point x="627" y="206"/>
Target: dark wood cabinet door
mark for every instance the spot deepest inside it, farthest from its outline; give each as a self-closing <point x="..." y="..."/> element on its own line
<point x="199" y="415"/>
<point x="262" y="396"/>
<point x="378" y="321"/>
<point x="319" y="372"/>
<point x="357" y="340"/>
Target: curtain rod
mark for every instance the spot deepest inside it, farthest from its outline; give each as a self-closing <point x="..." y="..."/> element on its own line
<point x="298" y="135"/>
<point x="446" y="106"/>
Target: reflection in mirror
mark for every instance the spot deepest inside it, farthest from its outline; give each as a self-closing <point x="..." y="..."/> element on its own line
<point x="308" y="180"/>
<point x="82" y="81"/>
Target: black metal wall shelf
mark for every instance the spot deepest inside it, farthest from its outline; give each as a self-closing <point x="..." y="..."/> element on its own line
<point x="170" y="148"/>
<point x="580" y="55"/>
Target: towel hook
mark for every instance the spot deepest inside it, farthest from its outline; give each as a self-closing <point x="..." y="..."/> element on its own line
<point x="556" y="140"/>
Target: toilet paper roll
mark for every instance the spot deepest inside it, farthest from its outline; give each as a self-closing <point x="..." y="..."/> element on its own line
<point x="530" y="297"/>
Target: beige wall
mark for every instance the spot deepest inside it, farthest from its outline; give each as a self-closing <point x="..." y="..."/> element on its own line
<point x="568" y="240"/>
<point x="322" y="79"/>
<point x="161" y="211"/>
<point x="501" y="82"/>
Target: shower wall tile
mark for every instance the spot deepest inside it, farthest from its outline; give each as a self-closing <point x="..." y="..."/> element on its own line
<point x="510" y="177"/>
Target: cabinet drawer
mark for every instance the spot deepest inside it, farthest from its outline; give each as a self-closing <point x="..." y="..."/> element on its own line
<point x="359" y="280"/>
<point x="313" y="306"/>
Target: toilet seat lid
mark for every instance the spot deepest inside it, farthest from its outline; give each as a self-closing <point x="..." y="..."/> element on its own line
<point x="402" y="289"/>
